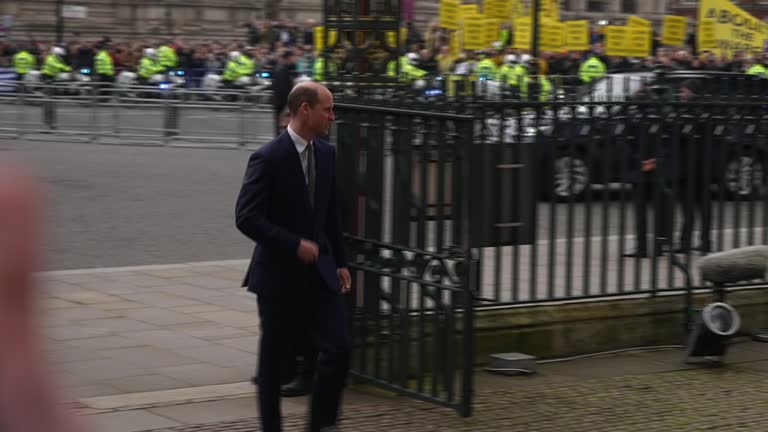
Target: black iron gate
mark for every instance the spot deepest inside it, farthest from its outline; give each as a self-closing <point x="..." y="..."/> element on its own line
<point x="404" y="181"/>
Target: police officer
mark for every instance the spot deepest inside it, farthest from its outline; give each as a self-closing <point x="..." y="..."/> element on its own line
<point x="52" y="67"/>
<point x="534" y="84"/>
<point x="54" y="64"/>
<point x="486" y="68"/>
<point x="757" y="68"/>
<point x="23" y="62"/>
<point x="592" y="69"/>
<point x="507" y="70"/>
<point x="167" y="57"/>
<point x="409" y="69"/>
<point x="104" y="67"/>
<point x="232" y="69"/>
<point x="148" y="66"/>
<point x="318" y="67"/>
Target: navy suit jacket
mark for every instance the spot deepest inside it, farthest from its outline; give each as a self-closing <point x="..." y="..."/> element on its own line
<point x="273" y="209"/>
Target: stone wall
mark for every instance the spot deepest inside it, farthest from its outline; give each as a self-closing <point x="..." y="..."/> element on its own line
<point x="192" y="19"/>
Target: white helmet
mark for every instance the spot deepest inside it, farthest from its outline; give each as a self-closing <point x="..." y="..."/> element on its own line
<point x="58" y="51"/>
<point x="413" y="58"/>
<point x="525" y="58"/>
<point x="301" y="79"/>
<point x="510" y="59"/>
<point x="150" y="52"/>
<point x="234" y="55"/>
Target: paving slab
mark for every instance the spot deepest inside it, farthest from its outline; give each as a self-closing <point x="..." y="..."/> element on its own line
<point x="171" y="375"/>
<point x="128" y="421"/>
<point x="207" y="412"/>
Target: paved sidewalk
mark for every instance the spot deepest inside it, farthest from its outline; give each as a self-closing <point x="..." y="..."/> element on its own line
<point x="171" y="348"/>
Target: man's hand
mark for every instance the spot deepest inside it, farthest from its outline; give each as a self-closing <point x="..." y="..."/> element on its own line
<point x="345" y="279"/>
<point x="308" y="251"/>
<point x="649" y="165"/>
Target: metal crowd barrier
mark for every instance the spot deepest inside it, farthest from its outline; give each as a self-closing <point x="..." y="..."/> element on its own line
<point x="136" y="115"/>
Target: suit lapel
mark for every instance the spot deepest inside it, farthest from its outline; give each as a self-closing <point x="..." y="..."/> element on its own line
<point x="296" y="171"/>
<point x="321" y="175"/>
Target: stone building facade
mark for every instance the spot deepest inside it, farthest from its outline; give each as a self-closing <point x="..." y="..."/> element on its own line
<point x="192" y="19"/>
<point x="136" y="19"/>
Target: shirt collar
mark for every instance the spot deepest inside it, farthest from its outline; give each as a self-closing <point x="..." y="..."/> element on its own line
<point x="298" y="141"/>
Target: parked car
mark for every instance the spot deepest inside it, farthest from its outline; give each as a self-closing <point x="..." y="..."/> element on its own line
<point x="589" y="137"/>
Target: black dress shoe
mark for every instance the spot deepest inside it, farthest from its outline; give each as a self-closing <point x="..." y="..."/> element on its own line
<point x="301" y="386"/>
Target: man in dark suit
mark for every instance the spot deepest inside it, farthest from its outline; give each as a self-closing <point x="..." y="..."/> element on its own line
<point x="695" y="164"/>
<point x="282" y="83"/>
<point x="287" y="205"/>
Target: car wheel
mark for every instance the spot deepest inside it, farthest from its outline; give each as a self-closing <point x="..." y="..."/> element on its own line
<point x="570" y="177"/>
<point x="744" y="177"/>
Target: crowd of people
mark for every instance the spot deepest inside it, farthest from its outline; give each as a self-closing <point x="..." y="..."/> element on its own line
<point x="425" y="54"/>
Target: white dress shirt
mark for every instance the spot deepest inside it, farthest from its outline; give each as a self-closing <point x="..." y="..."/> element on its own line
<point x="302" y="146"/>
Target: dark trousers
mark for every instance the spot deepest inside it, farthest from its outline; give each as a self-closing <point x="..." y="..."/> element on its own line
<point x="306" y="350"/>
<point x="284" y="320"/>
<point x="695" y="198"/>
<point x="649" y="194"/>
<point x="278" y="126"/>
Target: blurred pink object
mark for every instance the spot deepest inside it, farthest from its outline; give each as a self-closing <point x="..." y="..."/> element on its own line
<point x="28" y="400"/>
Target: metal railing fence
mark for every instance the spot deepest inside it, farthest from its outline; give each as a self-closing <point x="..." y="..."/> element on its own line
<point x="137" y="115"/>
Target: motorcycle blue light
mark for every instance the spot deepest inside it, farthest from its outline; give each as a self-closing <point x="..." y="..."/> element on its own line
<point x="171" y="73"/>
<point x="180" y="73"/>
<point x="164" y="86"/>
<point x="85" y="71"/>
<point x="265" y="74"/>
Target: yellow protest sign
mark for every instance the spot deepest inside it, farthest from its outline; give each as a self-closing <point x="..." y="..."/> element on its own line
<point x="523" y="31"/>
<point x="474" y="32"/>
<point x="455" y="43"/>
<point x="627" y="41"/>
<point x="449" y="14"/>
<point x="577" y="35"/>
<point x="497" y="9"/>
<point x="706" y="35"/>
<point x="639" y="43"/>
<point x="550" y="9"/>
<point x="514" y="7"/>
<point x="729" y="28"/>
<point x="519" y="9"/>
<point x="492" y="27"/>
<point x="319" y="33"/>
<point x="468" y="9"/>
<point x="635" y="21"/>
<point x="551" y="36"/>
<point x="673" y="32"/>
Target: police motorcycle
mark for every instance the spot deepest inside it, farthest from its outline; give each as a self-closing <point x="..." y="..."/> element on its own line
<point x="82" y="82"/>
<point x="177" y="78"/>
<point x="255" y="86"/>
<point x="33" y="83"/>
<point x="128" y="86"/>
